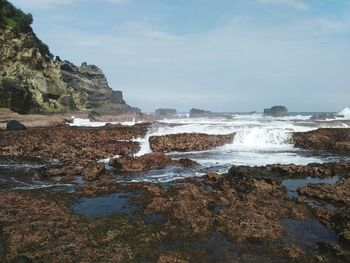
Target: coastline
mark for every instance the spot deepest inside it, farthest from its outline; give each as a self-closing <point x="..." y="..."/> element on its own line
<point x="264" y="211"/>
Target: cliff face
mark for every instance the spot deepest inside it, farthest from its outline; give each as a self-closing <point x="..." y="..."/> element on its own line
<point x="32" y="81"/>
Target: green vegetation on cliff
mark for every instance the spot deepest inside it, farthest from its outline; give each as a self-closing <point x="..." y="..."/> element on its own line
<point x="14" y="17"/>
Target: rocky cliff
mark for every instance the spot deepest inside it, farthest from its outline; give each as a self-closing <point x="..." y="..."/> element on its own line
<point x="32" y="81"/>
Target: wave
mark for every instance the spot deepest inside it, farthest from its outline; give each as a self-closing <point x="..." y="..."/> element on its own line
<point x="345" y="112"/>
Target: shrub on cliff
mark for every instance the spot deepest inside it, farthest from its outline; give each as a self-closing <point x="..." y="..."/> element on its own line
<point x="10" y="16"/>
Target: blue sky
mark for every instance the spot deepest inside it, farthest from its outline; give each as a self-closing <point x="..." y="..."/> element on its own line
<point x="222" y="55"/>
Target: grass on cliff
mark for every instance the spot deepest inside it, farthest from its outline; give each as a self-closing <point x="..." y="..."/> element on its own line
<point x="10" y="16"/>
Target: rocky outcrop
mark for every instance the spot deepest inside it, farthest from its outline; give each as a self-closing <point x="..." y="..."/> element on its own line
<point x="337" y="193"/>
<point x="165" y="112"/>
<point x="184" y="142"/>
<point x="281" y="171"/>
<point x="322" y="116"/>
<point x="276" y="111"/>
<point x="198" y="113"/>
<point x="32" y="81"/>
<point x="147" y="162"/>
<point x="335" y="140"/>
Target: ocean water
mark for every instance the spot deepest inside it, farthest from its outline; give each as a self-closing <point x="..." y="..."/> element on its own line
<point x="259" y="140"/>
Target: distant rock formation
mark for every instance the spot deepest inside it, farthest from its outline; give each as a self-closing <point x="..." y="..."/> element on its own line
<point x="32" y="81"/>
<point x="322" y="116"/>
<point x="162" y="112"/>
<point x="276" y="111"/>
<point x="198" y="113"/>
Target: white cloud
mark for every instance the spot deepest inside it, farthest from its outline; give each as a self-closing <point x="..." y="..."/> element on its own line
<point x="297" y="4"/>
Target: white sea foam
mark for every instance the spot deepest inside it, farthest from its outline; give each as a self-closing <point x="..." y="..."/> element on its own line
<point x="87" y="123"/>
<point x="345" y="112"/>
<point x="259" y="140"/>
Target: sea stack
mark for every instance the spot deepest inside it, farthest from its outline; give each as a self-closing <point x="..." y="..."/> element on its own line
<point x="276" y="111"/>
<point x="162" y="112"/>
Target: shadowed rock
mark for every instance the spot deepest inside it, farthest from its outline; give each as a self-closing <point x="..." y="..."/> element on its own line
<point x="14" y="125"/>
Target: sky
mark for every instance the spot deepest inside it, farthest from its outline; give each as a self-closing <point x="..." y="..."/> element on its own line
<point x="219" y="55"/>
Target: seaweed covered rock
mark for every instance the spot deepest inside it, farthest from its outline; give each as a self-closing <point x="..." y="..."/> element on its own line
<point x="183" y="142"/>
<point x="335" y="140"/>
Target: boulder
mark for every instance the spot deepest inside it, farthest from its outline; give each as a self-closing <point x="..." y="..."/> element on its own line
<point x="14" y="125"/>
<point x="183" y="142"/>
<point x="197" y="113"/>
<point x="276" y="111"/>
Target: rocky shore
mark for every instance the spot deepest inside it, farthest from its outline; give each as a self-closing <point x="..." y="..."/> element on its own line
<point x="245" y="214"/>
<point x="185" y="142"/>
<point x="335" y="140"/>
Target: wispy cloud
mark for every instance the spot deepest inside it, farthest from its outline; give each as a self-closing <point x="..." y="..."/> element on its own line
<point x="145" y="51"/>
<point x="297" y="4"/>
<point x="43" y="4"/>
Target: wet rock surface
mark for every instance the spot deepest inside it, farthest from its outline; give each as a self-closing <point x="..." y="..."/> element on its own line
<point x="183" y="142"/>
<point x="146" y="162"/>
<point x="245" y="214"/>
<point x="76" y="149"/>
<point x="335" y="140"/>
<point x="240" y="216"/>
<point x="281" y="171"/>
<point x="338" y="192"/>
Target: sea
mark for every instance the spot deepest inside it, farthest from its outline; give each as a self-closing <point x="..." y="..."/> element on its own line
<point x="259" y="140"/>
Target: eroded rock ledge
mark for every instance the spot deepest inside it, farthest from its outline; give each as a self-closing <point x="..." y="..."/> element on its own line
<point x="335" y="140"/>
<point x="184" y="142"/>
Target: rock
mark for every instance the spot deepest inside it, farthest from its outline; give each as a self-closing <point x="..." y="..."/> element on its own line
<point x="93" y="171"/>
<point x="336" y="140"/>
<point x="341" y="222"/>
<point x="147" y="162"/>
<point x="77" y="148"/>
<point x="186" y="163"/>
<point x="276" y="111"/>
<point x="94" y="116"/>
<point x="338" y="193"/>
<point x="183" y="142"/>
<point x="32" y="81"/>
<point x="322" y="116"/>
<point x="165" y="112"/>
<point x="197" y="113"/>
<point x="282" y="171"/>
<point x="14" y="125"/>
